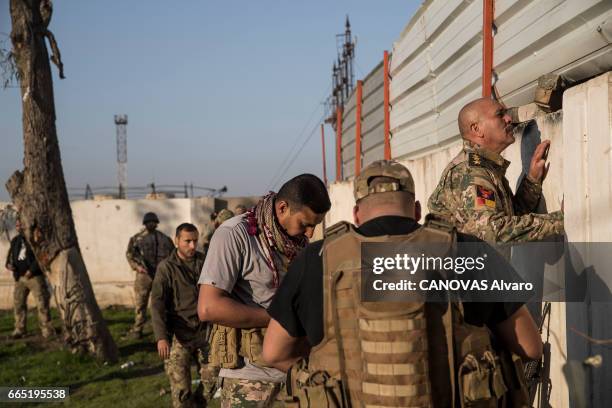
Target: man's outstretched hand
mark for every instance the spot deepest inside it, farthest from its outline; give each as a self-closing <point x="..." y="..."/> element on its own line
<point x="538" y="167"/>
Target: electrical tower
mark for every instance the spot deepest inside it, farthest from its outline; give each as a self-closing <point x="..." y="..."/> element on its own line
<point x="343" y="76"/>
<point x="121" y="123"/>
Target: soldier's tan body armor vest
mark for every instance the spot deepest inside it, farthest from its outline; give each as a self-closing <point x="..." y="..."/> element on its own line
<point x="393" y="354"/>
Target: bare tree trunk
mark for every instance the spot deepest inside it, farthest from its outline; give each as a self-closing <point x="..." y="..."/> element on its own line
<point x="39" y="192"/>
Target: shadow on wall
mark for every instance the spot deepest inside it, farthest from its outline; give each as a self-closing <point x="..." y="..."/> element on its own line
<point x="530" y="139"/>
<point x="524" y="257"/>
<point x="589" y="307"/>
<point x="584" y="275"/>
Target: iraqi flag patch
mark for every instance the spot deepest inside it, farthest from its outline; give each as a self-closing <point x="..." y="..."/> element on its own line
<point x="485" y="198"/>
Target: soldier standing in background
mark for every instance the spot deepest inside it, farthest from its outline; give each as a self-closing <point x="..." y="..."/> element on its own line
<point x="473" y="192"/>
<point x="180" y="335"/>
<point x="28" y="278"/>
<point x="219" y="219"/>
<point x="145" y="251"/>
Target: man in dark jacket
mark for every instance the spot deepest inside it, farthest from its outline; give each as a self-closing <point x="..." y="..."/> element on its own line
<point x="28" y="278"/>
<point x="174" y="300"/>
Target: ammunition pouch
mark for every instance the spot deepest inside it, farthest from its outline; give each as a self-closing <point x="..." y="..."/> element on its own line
<point x="481" y="382"/>
<point x="224" y="347"/>
<point x="251" y="344"/>
<point x="316" y="389"/>
<point x="228" y="345"/>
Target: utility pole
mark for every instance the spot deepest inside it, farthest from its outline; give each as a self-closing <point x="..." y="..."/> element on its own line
<point x="343" y="76"/>
<point x="121" y="122"/>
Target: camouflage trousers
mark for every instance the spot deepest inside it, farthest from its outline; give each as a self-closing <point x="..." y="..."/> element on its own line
<point x="178" y="369"/>
<point x="38" y="286"/>
<point x="142" y="290"/>
<point x="236" y="393"/>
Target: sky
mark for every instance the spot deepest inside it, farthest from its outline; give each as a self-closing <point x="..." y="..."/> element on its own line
<point x="216" y="92"/>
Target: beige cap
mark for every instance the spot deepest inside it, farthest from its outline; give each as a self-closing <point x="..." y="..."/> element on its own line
<point x="383" y="168"/>
<point x="224" y="215"/>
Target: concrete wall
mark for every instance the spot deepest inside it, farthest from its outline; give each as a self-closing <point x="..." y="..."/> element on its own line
<point x="342" y="202"/>
<point x="104" y="229"/>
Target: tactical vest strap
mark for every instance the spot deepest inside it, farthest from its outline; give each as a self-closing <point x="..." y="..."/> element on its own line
<point x="337" y="229"/>
<point x="389" y="325"/>
<point x="447" y="319"/>
<point x="391" y="390"/>
<point x="336" y="322"/>
<point x="438" y="223"/>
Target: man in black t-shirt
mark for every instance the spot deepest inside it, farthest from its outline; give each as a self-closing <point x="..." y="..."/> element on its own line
<point x="298" y="304"/>
<point x="385" y="206"/>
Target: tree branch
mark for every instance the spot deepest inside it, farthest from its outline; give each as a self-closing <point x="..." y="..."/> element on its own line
<point x="56" y="57"/>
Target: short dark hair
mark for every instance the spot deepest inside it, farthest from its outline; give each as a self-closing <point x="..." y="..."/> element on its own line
<point x="305" y="190"/>
<point x="185" y="227"/>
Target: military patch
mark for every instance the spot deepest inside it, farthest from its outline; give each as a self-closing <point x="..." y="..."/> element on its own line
<point x="485" y="198"/>
<point x="474" y="159"/>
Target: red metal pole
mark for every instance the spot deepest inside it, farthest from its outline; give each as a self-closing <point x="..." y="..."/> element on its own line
<point x="358" y="128"/>
<point x="487" y="46"/>
<point x="338" y="143"/>
<point x="323" y="150"/>
<point x="386" y="105"/>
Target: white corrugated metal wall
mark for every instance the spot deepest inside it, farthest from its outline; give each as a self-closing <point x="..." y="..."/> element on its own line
<point x="437" y="62"/>
<point x="372" y="124"/>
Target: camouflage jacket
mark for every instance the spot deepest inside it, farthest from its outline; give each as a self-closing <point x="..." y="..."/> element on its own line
<point x="174" y="300"/>
<point x="475" y="195"/>
<point x="148" y="250"/>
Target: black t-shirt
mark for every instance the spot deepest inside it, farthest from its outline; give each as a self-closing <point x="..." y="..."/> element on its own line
<point x="298" y="302"/>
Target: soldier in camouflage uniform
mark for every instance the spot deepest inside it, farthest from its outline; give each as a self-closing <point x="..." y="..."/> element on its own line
<point x="174" y="300"/>
<point x="218" y="219"/>
<point x="473" y="192"/>
<point x="28" y="278"/>
<point x="237" y="392"/>
<point x="145" y="251"/>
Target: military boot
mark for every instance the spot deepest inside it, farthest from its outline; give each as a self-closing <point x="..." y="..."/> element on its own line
<point x="135" y="334"/>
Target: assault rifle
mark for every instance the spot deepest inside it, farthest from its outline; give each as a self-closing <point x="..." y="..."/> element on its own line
<point x="537" y="373"/>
